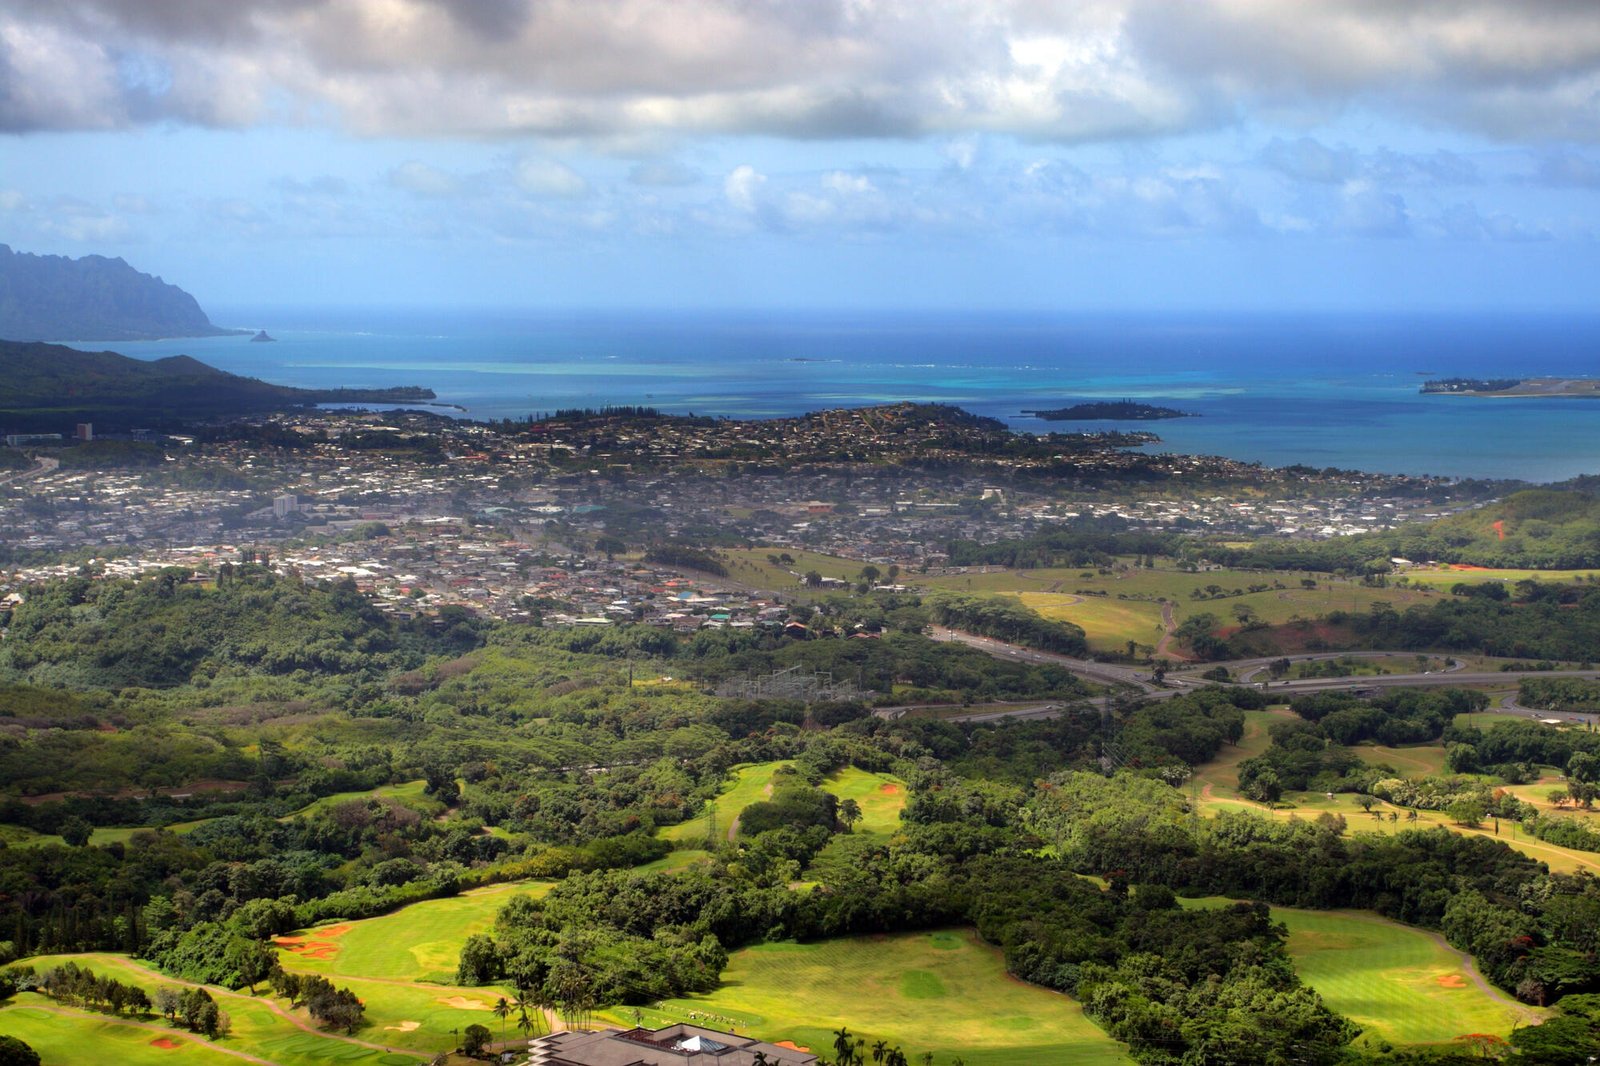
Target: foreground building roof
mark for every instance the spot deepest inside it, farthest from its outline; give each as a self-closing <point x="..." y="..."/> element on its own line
<point x="675" y="1045"/>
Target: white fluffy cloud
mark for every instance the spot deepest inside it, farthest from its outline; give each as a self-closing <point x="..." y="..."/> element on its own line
<point x="1043" y="69"/>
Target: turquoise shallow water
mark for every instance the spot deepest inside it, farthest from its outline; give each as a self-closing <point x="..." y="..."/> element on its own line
<point x="1322" y="390"/>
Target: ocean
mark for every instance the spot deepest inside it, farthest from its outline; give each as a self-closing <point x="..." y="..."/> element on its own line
<point x="1337" y="390"/>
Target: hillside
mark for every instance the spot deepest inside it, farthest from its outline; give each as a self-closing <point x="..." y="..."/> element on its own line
<point x="46" y="387"/>
<point x="52" y="297"/>
<point x="1539" y="529"/>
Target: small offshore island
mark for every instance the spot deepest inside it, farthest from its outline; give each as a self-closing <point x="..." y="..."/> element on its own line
<point x="1107" y="411"/>
<point x="1582" y="387"/>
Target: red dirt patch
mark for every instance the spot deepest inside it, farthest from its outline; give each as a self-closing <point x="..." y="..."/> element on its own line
<point x="1451" y="980"/>
<point x="1468" y="566"/>
<point x="165" y="1043"/>
<point x="306" y="948"/>
<point x="889" y="790"/>
<point x="314" y="947"/>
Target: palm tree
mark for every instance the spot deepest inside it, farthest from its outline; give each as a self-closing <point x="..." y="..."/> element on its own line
<point x="526" y="998"/>
<point x="841" y="1046"/>
<point x="502" y="1010"/>
<point x="879" y="1049"/>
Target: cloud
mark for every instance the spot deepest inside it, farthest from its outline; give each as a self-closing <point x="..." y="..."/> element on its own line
<point x="1307" y="159"/>
<point x="663" y="173"/>
<point x="547" y="179"/>
<point x="1368" y="211"/>
<point x="421" y="179"/>
<point x="1568" y="170"/>
<point x="1068" y="72"/>
<point x="741" y="186"/>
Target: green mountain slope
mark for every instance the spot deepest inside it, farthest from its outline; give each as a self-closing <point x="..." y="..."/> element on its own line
<point x="48" y="386"/>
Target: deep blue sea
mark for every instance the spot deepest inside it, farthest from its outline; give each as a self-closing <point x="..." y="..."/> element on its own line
<point x="1326" y="390"/>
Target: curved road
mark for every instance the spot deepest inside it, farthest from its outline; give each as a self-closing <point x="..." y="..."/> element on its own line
<point x="1107" y="673"/>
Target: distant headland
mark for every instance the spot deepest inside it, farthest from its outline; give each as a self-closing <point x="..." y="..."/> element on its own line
<point x="1513" y="387"/>
<point x="53" y="297"/>
<point x="43" y="386"/>
<point x="1109" y="411"/>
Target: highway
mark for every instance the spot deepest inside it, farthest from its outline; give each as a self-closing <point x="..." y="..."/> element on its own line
<point x="1176" y="684"/>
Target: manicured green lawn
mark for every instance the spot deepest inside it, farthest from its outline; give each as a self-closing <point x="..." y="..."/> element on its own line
<point x="421" y="942"/>
<point x="880" y="796"/>
<point x="1399" y="983"/>
<point x="944" y="992"/>
<point x="408" y="794"/>
<point x="1421" y="760"/>
<point x="63" y="1040"/>
<point x="255" y="1028"/>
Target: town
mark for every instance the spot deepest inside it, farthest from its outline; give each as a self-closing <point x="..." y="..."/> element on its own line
<point x="525" y="521"/>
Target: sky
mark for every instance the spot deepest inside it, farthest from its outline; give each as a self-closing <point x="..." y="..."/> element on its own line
<point x="957" y="154"/>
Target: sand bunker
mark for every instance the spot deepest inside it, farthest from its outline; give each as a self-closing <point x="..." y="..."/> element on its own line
<point x="306" y="948"/>
<point x="1451" y="980"/>
<point x="318" y="945"/>
<point x="165" y="1043"/>
<point x="463" y="1003"/>
<point x="889" y="790"/>
<point x="404" y="1027"/>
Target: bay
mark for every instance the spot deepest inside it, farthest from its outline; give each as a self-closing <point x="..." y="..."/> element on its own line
<point x="1322" y="390"/>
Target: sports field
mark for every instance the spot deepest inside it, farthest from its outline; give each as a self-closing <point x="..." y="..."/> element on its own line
<point x="1399" y="983"/>
<point x="944" y="992"/>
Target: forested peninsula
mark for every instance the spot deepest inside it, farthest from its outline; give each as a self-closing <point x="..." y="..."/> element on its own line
<point x="48" y="386"/>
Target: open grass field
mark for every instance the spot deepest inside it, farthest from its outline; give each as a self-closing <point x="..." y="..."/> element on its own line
<point x="1110" y="622"/>
<point x="944" y="992"/>
<point x="408" y="794"/>
<point x="1419" y="760"/>
<point x="1445" y="578"/>
<point x="1107" y="623"/>
<point x="1215" y="788"/>
<point x="73" y="1037"/>
<point x="750" y="566"/>
<point x="419" y="943"/>
<point x="258" y="1029"/>
<point x="881" y="797"/>
<point x="749" y="786"/>
<point x="1399" y="983"/>
<point x="16" y="836"/>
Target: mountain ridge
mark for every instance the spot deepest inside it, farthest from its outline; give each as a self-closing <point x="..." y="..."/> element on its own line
<point x="94" y="298"/>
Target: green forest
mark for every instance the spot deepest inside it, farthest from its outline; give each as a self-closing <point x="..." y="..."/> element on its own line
<point x="196" y="768"/>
